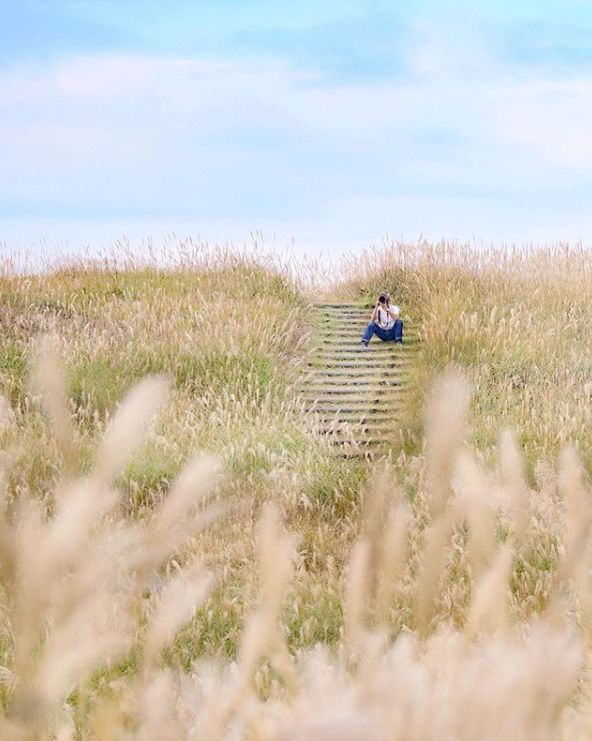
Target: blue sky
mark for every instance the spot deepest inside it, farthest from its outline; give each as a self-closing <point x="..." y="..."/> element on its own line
<point x="336" y="124"/>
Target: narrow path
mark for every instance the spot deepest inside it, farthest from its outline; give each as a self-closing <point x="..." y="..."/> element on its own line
<point x="356" y="391"/>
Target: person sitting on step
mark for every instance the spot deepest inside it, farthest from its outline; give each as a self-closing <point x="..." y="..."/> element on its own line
<point x="385" y="322"/>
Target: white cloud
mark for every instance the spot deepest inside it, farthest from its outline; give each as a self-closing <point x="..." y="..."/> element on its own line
<point x="459" y="141"/>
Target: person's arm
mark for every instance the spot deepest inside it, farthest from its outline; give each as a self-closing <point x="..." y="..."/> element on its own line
<point x="374" y="316"/>
<point x="393" y="314"/>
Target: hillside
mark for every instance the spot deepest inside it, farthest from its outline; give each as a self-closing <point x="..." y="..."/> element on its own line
<point x="453" y="545"/>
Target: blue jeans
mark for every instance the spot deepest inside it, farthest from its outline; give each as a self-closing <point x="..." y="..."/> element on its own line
<point x="394" y="333"/>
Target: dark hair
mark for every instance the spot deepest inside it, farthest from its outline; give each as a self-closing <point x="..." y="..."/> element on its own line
<point x="383" y="298"/>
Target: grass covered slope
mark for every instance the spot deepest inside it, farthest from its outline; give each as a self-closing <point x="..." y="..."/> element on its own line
<point x="445" y="595"/>
<point x="231" y="336"/>
<point x="226" y="334"/>
<point x="518" y="324"/>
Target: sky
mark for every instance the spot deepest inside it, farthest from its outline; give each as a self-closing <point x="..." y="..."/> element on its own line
<point x="331" y="126"/>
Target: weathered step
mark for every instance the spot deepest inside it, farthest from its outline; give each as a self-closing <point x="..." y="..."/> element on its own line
<point x="348" y="333"/>
<point x="382" y="379"/>
<point x="390" y="417"/>
<point x="368" y="395"/>
<point x="361" y="404"/>
<point x="357" y="355"/>
<point x="372" y="382"/>
<point x="335" y="348"/>
<point x="354" y="366"/>
<point x="356" y="393"/>
<point x="338" y="304"/>
<point x="376" y="369"/>
<point x="363" y="443"/>
<point x="376" y="385"/>
<point x="333" y="407"/>
<point x="332" y="425"/>
<point x="362" y="453"/>
<point x="350" y="324"/>
<point x="356" y="372"/>
<point x="338" y="308"/>
<point x="366" y="407"/>
<point x="330" y="340"/>
<point x="378" y="379"/>
<point x="358" y="352"/>
<point x="358" y="432"/>
<point x="366" y="443"/>
<point x="356" y="337"/>
<point x="331" y="346"/>
<point x="366" y="392"/>
<point x="365" y="354"/>
<point x="351" y="317"/>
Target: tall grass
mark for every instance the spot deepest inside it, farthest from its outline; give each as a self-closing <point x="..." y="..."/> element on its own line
<point x="515" y="320"/>
<point x="193" y="562"/>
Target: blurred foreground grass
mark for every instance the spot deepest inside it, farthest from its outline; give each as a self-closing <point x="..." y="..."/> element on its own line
<point x="453" y="569"/>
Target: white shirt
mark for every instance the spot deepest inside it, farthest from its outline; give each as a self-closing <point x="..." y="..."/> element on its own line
<point x="385" y="320"/>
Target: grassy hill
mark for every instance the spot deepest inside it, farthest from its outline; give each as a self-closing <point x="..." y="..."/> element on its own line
<point x="454" y="548"/>
<point x="516" y="322"/>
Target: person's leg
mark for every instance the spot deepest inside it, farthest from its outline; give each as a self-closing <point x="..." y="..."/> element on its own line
<point x="369" y="331"/>
<point x="398" y="331"/>
<point x="382" y="333"/>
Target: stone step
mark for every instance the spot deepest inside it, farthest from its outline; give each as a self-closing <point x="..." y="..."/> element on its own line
<point x="360" y="371"/>
<point x="378" y="383"/>
<point x="331" y="347"/>
<point x="331" y="341"/>
<point x="355" y="330"/>
<point x="390" y="417"/>
<point x="381" y="376"/>
<point x="366" y="406"/>
<point x="363" y="391"/>
<point x="357" y="369"/>
<point x="340" y="304"/>
<point x="350" y="312"/>
<point x="364" y="442"/>
<point x="392" y="376"/>
<point x="367" y="392"/>
<point x="398" y="361"/>
<point x="350" y="320"/>
<point x="356" y="346"/>
<point x="356" y="337"/>
<point x="370" y="392"/>
<point x="357" y="349"/>
<point x="354" y="432"/>
<point x="376" y="388"/>
<point x="354" y="392"/>
<point x="358" y="431"/>
<point x="347" y="449"/>
<point x="364" y="357"/>
<point x="333" y="412"/>
<point x="350" y="364"/>
<point x="347" y="312"/>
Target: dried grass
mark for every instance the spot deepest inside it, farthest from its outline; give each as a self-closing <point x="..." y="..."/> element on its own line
<point x="455" y="595"/>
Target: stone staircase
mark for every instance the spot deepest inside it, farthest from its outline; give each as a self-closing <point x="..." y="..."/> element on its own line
<point x="356" y="392"/>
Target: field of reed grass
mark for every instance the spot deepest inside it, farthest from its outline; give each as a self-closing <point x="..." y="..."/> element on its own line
<point x="183" y="556"/>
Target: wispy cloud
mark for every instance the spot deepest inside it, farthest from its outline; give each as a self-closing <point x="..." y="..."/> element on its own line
<point x="458" y="139"/>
